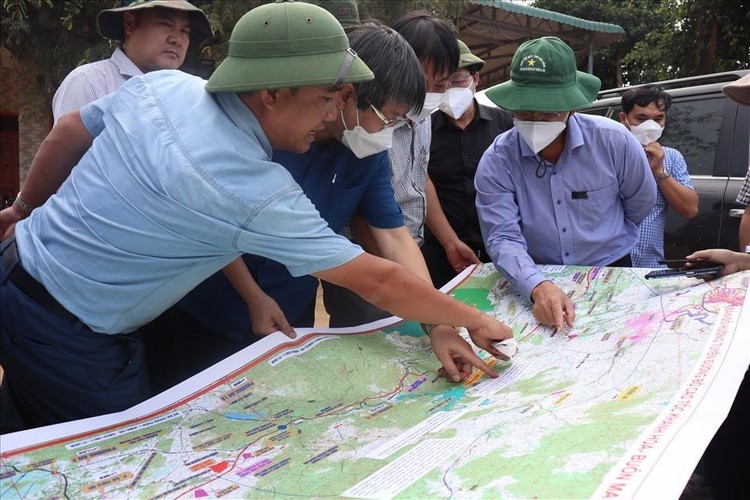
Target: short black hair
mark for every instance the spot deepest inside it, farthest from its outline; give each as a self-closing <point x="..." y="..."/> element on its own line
<point x="398" y="75"/>
<point x="645" y="95"/>
<point x="431" y="38"/>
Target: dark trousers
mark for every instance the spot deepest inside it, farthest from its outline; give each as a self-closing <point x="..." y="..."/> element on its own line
<point x="346" y="308"/>
<point x="727" y="458"/>
<point x="178" y="347"/>
<point x="441" y="271"/>
<point x="57" y="369"/>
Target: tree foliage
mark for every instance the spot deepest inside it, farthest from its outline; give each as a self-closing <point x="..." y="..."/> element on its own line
<point x="53" y="37"/>
<point x="665" y="38"/>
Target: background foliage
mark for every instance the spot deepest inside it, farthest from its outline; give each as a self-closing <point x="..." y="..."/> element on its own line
<point x="665" y="38"/>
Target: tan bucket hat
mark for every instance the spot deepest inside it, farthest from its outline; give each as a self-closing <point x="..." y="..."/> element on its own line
<point x="109" y="21"/>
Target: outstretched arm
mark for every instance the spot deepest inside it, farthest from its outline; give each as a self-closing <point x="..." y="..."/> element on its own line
<point x="392" y="287"/>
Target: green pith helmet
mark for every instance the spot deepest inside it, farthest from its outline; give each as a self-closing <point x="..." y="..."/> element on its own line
<point x="466" y="59"/>
<point x="110" y="25"/>
<point x="345" y="11"/>
<point x="543" y="77"/>
<point x="285" y="45"/>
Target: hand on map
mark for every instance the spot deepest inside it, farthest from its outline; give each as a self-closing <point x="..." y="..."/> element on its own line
<point x="456" y="355"/>
<point x="267" y="317"/>
<point x="552" y="306"/>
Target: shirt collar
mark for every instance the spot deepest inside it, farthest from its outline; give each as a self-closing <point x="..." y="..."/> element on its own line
<point x="243" y="118"/>
<point x="126" y="67"/>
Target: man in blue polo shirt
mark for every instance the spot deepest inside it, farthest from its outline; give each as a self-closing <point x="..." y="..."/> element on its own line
<point x="173" y="181"/>
<point x="346" y="171"/>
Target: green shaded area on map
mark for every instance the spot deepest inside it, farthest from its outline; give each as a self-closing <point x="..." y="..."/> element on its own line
<point x="365" y="415"/>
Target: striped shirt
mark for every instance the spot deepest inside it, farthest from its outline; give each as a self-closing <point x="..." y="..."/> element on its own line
<point x="410" y="154"/>
<point x="650" y="247"/>
<point x="92" y="81"/>
<point x="743" y="197"/>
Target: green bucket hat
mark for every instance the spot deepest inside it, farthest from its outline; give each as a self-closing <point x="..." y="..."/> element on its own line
<point x="109" y="21"/>
<point x="345" y="11"/>
<point x="284" y="45"/>
<point x="466" y="58"/>
<point x="543" y="77"/>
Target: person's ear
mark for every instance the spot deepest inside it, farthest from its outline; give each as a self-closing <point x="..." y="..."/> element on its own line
<point x="345" y="95"/>
<point x="269" y="98"/>
<point x="623" y="119"/>
<point x="129" y="23"/>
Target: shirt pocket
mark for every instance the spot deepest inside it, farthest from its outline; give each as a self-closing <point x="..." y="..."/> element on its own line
<point x="597" y="207"/>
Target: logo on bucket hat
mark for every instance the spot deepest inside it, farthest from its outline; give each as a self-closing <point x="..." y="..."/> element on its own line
<point x="543" y="77"/>
<point x="285" y="45"/>
<point x="109" y="21"/>
<point x="532" y="63"/>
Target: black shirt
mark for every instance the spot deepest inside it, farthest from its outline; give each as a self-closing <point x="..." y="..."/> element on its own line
<point x="454" y="156"/>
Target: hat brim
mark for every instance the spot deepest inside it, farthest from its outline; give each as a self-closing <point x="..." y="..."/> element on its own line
<point x="738" y="91"/>
<point x="110" y="23"/>
<point x="243" y="74"/>
<point x="469" y="60"/>
<point x="547" y="98"/>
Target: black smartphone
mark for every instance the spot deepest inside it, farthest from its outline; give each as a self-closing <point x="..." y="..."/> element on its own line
<point x="688" y="272"/>
<point x="694" y="264"/>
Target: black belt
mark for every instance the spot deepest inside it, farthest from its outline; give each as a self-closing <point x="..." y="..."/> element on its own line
<point x="32" y="288"/>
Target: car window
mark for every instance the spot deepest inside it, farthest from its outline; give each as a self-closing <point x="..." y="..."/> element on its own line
<point x="692" y="128"/>
<point x="597" y="111"/>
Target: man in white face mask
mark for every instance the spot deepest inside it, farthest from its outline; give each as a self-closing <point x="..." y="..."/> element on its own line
<point x="434" y="44"/>
<point x="345" y="171"/>
<point x="558" y="188"/>
<point x="461" y="132"/>
<point x="644" y="113"/>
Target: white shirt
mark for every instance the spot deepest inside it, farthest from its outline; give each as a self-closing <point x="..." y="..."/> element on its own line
<point x="92" y="81"/>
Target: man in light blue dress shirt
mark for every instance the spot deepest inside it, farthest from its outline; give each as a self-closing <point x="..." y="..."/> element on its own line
<point x="558" y="188"/>
<point x="174" y="180"/>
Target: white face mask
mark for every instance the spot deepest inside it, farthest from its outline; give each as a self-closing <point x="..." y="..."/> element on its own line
<point x="431" y="102"/>
<point x="647" y="132"/>
<point x="364" y="143"/>
<point x="539" y="135"/>
<point x="456" y="101"/>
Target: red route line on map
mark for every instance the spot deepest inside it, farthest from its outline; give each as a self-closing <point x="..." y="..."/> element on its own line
<point x="195" y="395"/>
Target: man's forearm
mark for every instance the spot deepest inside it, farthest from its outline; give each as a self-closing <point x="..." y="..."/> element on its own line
<point x="63" y="148"/>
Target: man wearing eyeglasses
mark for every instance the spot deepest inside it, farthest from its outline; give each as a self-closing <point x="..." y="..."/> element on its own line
<point x="558" y="188"/>
<point x="167" y="190"/>
<point x="461" y="131"/>
<point x="346" y="171"/>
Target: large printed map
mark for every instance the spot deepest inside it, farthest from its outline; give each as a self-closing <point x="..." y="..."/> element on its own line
<point x="614" y="407"/>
